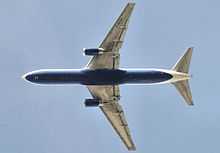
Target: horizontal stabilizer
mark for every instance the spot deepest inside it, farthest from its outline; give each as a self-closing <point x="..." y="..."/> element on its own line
<point x="184" y="89"/>
<point x="183" y="63"/>
<point x="182" y="66"/>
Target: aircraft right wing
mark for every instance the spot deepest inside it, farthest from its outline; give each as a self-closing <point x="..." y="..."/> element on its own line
<point x="109" y="96"/>
<point x="115" y="115"/>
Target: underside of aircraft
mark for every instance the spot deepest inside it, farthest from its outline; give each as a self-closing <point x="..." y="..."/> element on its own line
<point x="102" y="76"/>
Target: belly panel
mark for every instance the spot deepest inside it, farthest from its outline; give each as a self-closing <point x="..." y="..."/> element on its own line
<point x="146" y="77"/>
<point x="104" y="77"/>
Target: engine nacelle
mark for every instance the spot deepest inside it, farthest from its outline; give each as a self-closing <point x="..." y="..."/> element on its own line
<point x="93" y="51"/>
<point x="92" y="102"/>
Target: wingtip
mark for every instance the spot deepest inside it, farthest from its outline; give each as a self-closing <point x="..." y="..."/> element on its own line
<point x="191" y="48"/>
<point x="132" y="148"/>
<point x="131" y="3"/>
<point x="191" y="103"/>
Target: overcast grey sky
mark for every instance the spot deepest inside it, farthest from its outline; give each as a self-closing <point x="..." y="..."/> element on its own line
<point x="36" y="34"/>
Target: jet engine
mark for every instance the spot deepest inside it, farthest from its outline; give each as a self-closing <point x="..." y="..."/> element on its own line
<point x="93" y="51"/>
<point x="92" y="102"/>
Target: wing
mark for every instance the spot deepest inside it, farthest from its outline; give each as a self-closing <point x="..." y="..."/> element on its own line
<point x="112" y="42"/>
<point x="109" y="96"/>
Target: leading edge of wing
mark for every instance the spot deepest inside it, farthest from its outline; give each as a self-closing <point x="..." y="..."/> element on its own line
<point x="109" y="96"/>
<point x="121" y="20"/>
<point x="120" y="126"/>
<point x="112" y="42"/>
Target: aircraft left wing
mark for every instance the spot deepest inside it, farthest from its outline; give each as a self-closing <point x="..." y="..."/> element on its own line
<point x="112" y="42"/>
<point x="109" y="96"/>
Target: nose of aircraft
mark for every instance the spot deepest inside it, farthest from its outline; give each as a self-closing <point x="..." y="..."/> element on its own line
<point x="28" y="77"/>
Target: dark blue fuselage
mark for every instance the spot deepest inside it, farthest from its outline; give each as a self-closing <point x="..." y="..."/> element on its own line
<point x="98" y="77"/>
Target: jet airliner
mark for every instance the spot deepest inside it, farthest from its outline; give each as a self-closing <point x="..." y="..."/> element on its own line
<point x="102" y="76"/>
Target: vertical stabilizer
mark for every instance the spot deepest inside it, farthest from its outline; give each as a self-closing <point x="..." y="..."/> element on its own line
<point x="183" y="86"/>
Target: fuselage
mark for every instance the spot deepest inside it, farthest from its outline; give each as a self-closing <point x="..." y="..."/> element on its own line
<point x="99" y="76"/>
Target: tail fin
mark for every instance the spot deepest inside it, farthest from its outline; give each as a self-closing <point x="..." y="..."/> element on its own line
<point x="183" y="66"/>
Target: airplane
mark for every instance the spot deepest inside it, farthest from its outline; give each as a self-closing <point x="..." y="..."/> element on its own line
<point x="102" y="76"/>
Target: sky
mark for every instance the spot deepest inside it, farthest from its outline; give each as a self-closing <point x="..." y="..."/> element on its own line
<point x="51" y="34"/>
